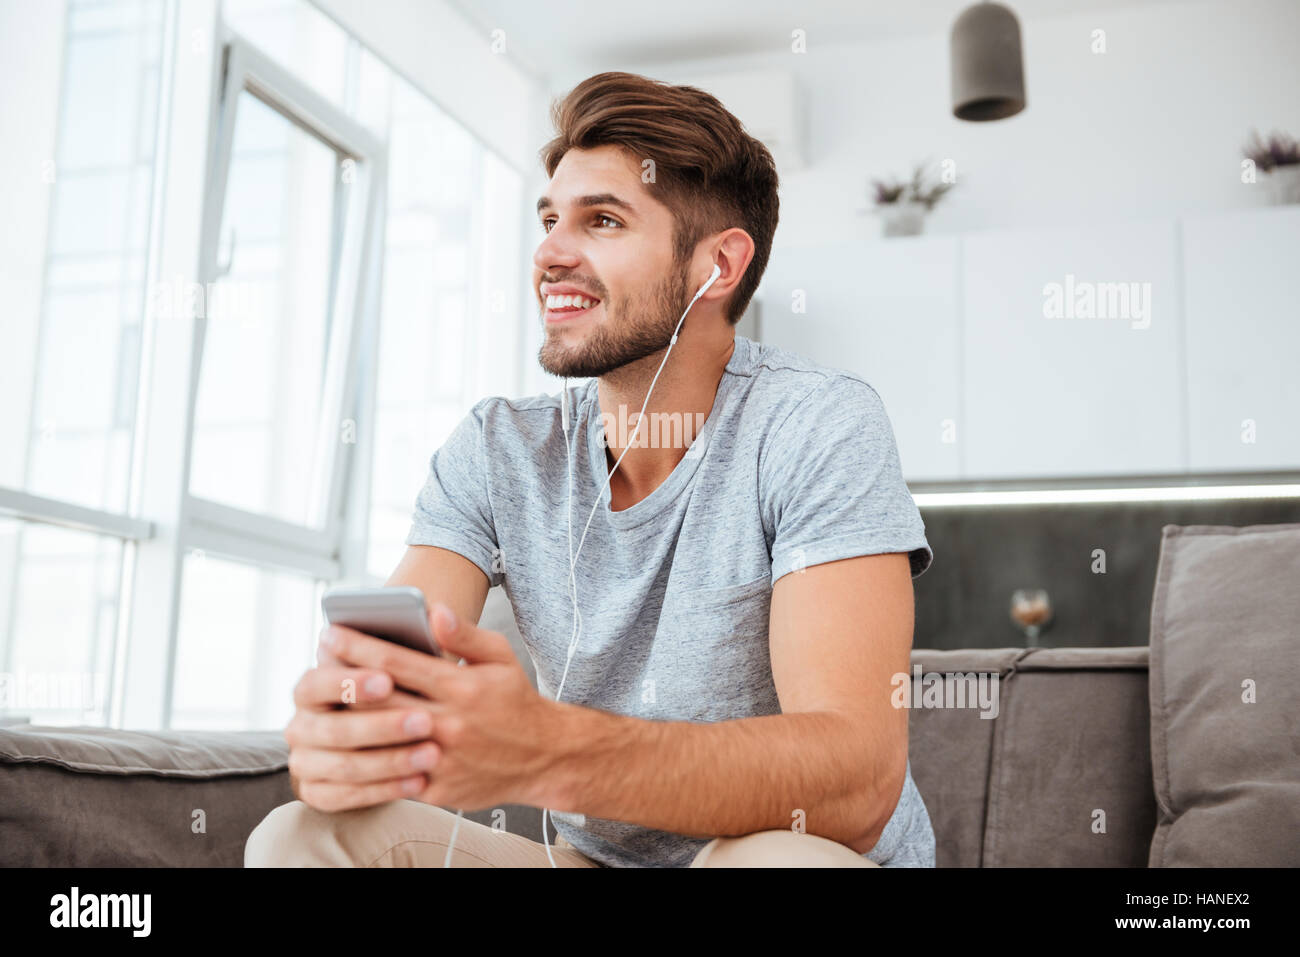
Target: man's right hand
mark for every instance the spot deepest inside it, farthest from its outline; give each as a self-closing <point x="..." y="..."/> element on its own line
<point x="353" y="744"/>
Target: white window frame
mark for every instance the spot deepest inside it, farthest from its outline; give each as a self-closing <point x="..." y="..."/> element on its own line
<point x="204" y="109"/>
<point x="238" y="532"/>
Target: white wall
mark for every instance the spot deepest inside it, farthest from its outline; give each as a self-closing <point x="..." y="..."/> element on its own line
<point x="1151" y="128"/>
<point x="432" y="45"/>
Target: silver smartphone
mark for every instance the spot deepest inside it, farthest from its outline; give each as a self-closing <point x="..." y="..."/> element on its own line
<point x="395" y="614"/>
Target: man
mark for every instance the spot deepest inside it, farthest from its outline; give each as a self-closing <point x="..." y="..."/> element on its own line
<point x="745" y="589"/>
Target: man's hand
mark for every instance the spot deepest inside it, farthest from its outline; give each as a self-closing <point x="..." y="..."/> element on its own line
<point x="491" y="730"/>
<point x="341" y="758"/>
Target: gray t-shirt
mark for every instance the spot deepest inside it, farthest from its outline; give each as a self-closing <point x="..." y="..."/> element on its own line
<point x="795" y="465"/>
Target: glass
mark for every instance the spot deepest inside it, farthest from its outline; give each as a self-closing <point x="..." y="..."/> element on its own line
<point x="58" y="618"/>
<point x="246" y="636"/>
<point x="268" y="323"/>
<point x="79" y="120"/>
<point x="1031" y="612"/>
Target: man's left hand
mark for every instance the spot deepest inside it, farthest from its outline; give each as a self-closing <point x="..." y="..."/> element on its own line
<point x="492" y="729"/>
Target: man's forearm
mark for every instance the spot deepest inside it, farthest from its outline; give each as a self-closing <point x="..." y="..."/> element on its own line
<point x="730" y="777"/>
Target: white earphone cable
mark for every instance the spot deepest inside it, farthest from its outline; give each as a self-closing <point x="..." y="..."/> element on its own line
<point x="576" y="634"/>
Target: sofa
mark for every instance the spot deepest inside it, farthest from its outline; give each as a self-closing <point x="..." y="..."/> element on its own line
<point x="1106" y="757"/>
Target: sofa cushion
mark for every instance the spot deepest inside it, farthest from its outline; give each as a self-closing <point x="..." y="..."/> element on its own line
<point x="1225" y="669"/>
<point x="100" y="797"/>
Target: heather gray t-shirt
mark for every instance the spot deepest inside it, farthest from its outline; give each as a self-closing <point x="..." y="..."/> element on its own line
<point x="795" y="465"/>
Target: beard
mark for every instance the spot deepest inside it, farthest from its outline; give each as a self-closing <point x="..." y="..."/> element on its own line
<point x="635" y="328"/>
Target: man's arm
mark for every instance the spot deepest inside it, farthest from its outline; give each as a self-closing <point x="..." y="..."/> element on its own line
<point x="444" y="576"/>
<point x="838" y="632"/>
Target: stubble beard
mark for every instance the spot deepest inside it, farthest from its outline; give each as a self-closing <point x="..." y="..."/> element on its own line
<point x="629" y="332"/>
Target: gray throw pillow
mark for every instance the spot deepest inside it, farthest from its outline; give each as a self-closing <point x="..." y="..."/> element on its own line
<point x="1225" y="697"/>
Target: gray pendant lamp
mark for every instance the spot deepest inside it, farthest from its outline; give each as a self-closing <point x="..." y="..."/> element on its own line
<point x="988" y="76"/>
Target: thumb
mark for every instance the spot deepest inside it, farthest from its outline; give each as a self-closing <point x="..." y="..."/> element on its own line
<point x="461" y="638"/>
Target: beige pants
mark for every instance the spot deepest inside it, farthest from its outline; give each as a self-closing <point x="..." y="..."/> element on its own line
<point x="411" y="834"/>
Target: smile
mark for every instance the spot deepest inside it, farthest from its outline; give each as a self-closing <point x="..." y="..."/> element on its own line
<point x="566" y="309"/>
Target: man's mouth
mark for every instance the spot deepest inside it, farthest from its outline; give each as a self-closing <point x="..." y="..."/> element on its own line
<point x="568" y="308"/>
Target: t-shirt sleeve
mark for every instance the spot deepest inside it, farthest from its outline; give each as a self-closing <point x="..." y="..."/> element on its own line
<point x="453" y="509"/>
<point x="832" y="485"/>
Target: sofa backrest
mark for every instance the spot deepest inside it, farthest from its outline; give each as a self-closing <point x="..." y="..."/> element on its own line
<point x="1060" y="777"/>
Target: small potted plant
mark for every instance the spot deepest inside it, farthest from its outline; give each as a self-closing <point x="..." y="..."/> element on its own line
<point x="903" y="205"/>
<point x="1279" y="158"/>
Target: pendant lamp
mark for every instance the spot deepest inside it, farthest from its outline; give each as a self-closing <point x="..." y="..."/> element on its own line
<point x="988" y="76"/>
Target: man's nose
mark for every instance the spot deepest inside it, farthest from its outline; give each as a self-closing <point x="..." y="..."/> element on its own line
<point x="557" y="248"/>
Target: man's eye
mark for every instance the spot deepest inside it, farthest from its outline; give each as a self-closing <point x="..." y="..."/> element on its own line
<point x="546" y="223"/>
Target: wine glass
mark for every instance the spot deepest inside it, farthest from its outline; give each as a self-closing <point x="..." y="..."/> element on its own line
<point x="1031" y="611"/>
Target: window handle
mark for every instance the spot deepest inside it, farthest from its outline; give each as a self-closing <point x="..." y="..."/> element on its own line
<point x="223" y="266"/>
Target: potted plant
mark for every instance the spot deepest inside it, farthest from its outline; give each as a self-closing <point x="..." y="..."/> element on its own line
<point x="1279" y="157"/>
<point x="903" y="205"/>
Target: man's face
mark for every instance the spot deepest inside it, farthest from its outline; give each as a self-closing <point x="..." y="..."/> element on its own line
<point x="608" y="240"/>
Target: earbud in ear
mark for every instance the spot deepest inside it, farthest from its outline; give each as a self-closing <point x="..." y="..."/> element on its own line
<point x="717" y="271"/>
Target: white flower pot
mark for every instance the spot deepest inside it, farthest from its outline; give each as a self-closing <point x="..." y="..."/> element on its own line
<point x="1284" y="184"/>
<point x="903" y="219"/>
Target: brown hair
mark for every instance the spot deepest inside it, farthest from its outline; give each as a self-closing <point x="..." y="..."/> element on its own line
<point x="708" y="170"/>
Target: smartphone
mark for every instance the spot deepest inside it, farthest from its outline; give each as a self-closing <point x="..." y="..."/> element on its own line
<point x="395" y="614"/>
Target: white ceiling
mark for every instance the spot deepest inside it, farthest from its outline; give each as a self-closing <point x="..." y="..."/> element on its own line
<point x="550" y="37"/>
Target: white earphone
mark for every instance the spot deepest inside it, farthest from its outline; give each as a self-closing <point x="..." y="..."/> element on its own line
<point x="568" y="511"/>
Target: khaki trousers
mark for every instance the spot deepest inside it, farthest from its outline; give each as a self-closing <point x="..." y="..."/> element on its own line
<point x="412" y="834"/>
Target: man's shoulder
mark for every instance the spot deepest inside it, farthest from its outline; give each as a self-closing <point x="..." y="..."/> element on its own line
<point x="804" y="390"/>
<point x="523" y="406"/>
<point x="524" y="416"/>
<point x="511" y="431"/>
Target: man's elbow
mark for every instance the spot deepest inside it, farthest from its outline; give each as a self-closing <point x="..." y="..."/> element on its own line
<point x="878" y="799"/>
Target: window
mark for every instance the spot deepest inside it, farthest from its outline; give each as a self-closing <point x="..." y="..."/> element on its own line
<point x="79" y="171"/>
<point x="268" y="277"/>
<point x="245" y="636"/>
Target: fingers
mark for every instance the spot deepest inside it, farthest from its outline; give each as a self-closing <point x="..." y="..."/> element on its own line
<point x="329" y="796"/>
<point x="364" y="766"/>
<point x="335" y="684"/>
<point x="348" y="729"/>
<point x="413" y="670"/>
<point x="399" y="699"/>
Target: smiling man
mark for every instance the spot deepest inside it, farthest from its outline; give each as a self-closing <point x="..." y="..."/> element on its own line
<point x="745" y="592"/>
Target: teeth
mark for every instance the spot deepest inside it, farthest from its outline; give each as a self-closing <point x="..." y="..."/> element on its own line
<point x="569" y="302"/>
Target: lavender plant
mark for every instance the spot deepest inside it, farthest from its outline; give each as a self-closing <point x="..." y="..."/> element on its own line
<point x="921" y="188"/>
<point x="1279" y="149"/>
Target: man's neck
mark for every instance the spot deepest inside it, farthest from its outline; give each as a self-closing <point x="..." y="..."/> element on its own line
<point x="683" y="398"/>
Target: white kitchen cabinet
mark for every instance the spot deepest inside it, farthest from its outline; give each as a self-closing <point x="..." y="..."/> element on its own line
<point x="1242" y="295"/>
<point x="1072" y="352"/>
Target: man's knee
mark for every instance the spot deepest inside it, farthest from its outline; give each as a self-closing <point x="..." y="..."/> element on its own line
<point x="281" y="835"/>
<point x="298" y="835"/>
<point x="778" y="848"/>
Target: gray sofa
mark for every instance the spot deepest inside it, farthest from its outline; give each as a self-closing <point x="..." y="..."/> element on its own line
<point x="999" y="790"/>
<point x="1062" y="773"/>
